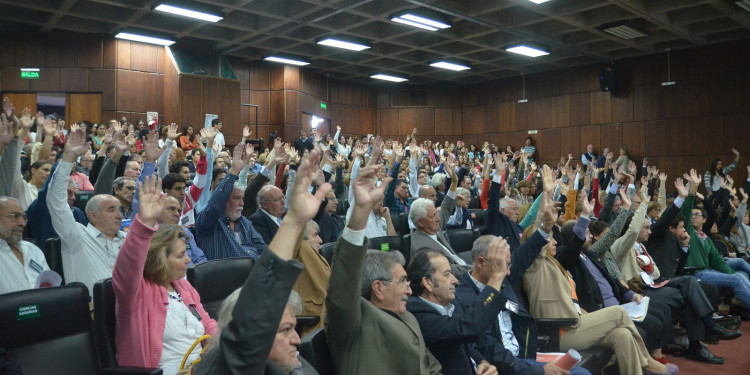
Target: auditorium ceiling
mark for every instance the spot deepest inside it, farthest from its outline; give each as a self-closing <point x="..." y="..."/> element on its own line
<point x="571" y="31"/>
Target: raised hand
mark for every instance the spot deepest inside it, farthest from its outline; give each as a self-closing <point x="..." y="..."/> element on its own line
<point x="173" y="132"/>
<point x="360" y="150"/>
<point x="626" y="203"/>
<point x="150" y="201"/>
<point x="239" y="159"/>
<point x="26" y="122"/>
<point x="75" y="145"/>
<point x="151" y="147"/>
<point x="694" y="177"/>
<point x="246" y="133"/>
<point x="398" y="149"/>
<point x="548" y="179"/>
<point x="303" y="206"/>
<point x="734" y="151"/>
<point x="6" y="131"/>
<point x="117" y="126"/>
<point x="108" y="137"/>
<point x="632" y="168"/>
<point x="209" y="134"/>
<point x="366" y="194"/>
<point x="498" y="253"/>
<point x="121" y="144"/>
<point x="587" y="206"/>
<point x="8" y="109"/>
<point x="681" y="189"/>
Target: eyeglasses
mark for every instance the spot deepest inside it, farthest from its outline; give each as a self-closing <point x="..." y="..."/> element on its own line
<point x="697" y="214"/>
<point x="17" y="215"/>
<point x="403" y="283"/>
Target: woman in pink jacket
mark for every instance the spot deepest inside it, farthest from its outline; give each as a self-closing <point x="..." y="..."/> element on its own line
<point x="159" y="314"/>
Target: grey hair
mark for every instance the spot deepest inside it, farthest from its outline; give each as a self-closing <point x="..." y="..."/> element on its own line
<point x="504" y="203"/>
<point x="378" y="266"/>
<point x="94" y="203"/>
<point x="481" y="244"/>
<point x="438" y="179"/>
<point x="307" y="228"/>
<point x="463" y="191"/>
<point x="418" y="209"/>
<point x="226" y="312"/>
<point x="423" y="190"/>
<point x="4" y="200"/>
<point x="119" y="182"/>
<point x="262" y="193"/>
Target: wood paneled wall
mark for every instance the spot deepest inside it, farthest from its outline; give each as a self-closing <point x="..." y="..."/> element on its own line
<point x="129" y="75"/>
<point x="284" y="93"/>
<point x="677" y="127"/>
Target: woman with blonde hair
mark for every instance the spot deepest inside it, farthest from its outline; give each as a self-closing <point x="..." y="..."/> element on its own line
<point x="159" y="314"/>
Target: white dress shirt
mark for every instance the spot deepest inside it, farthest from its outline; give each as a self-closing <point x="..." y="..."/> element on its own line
<point x="15" y="276"/>
<point x="87" y="254"/>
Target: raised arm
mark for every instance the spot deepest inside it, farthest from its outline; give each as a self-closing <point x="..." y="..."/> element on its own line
<point x="57" y="195"/>
<point x="206" y="219"/>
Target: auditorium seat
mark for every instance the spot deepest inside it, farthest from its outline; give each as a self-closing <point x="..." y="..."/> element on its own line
<point x="461" y="240"/>
<point x="314" y="349"/>
<point x="53" y="255"/>
<point x="82" y="198"/>
<point x="216" y="279"/>
<point x="49" y="332"/>
<point x="326" y="250"/>
<point x="392" y="242"/>
<point x="402" y="224"/>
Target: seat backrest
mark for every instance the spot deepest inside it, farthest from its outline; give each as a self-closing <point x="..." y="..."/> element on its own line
<point x="406" y="248"/>
<point x="216" y="279"/>
<point x="378" y="243"/>
<point x="104" y="322"/>
<point x="82" y="198"/>
<point x="314" y="349"/>
<point x="326" y="250"/>
<point x="461" y="240"/>
<point x="48" y="331"/>
<point x="53" y="254"/>
<point x="402" y="226"/>
<point x="478" y="216"/>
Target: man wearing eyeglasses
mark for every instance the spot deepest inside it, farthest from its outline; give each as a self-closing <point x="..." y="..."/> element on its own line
<point x="268" y="218"/>
<point x="20" y="262"/>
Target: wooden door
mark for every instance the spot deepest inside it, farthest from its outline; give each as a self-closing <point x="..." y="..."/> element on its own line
<point x="83" y="107"/>
<point x="21" y="101"/>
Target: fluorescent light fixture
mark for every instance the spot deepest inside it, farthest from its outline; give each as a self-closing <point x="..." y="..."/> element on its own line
<point x="333" y="42"/>
<point x="415" y="24"/>
<point x="286" y="60"/>
<point x="29" y="69"/>
<point x="420" y="21"/>
<point x="527" y="51"/>
<point x="315" y="121"/>
<point x="388" y="77"/>
<point x="144" y="39"/>
<point x="449" y="66"/>
<point x="744" y="4"/>
<point x="538" y="1"/>
<point x="166" y="8"/>
<point x="623" y="29"/>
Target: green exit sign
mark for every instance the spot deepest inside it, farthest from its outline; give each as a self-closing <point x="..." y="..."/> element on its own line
<point x="323" y="105"/>
<point x="29" y="75"/>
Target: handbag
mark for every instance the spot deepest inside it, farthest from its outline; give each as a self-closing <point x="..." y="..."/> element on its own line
<point x="189" y="369"/>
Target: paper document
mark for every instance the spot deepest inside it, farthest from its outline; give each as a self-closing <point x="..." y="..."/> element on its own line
<point x="637" y="311"/>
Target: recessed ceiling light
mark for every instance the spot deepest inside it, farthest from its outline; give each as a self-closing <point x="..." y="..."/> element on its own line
<point x="449" y="65"/>
<point x="172" y="9"/>
<point x="388" y="77"/>
<point x="420" y="21"/>
<point x="527" y="51"/>
<point x="144" y="39"/>
<point x="623" y="29"/>
<point x="345" y="44"/>
<point x="538" y="1"/>
<point x="286" y="60"/>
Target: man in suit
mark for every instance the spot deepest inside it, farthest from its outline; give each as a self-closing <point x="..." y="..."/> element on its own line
<point x="510" y="341"/>
<point x="429" y="236"/>
<point x="258" y="335"/>
<point x="268" y="218"/>
<point x="330" y="224"/>
<point x="450" y="330"/>
<point x="368" y="326"/>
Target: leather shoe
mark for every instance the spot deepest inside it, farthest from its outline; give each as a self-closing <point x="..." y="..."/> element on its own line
<point x="705" y="356"/>
<point x="729" y="322"/>
<point x="721" y="333"/>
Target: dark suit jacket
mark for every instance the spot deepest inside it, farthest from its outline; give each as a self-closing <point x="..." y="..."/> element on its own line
<point x="264" y="225"/>
<point x="251" y="195"/>
<point x="663" y="246"/>
<point x="421" y="241"/>
<point x="490" y="343"/>
<point x="497" y="223"/>
<point x="247" y="340"/>
<point x="331" y="226"/>
<point x="450" y="338"/>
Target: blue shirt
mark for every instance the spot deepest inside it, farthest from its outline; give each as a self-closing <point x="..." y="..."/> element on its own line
<point x="216" y="237"/>
<point x="193" y="251"/>
<point x="38" y="214"/>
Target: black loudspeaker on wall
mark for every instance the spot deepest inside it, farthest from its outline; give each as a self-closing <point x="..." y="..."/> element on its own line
<point x="608" y="79"/>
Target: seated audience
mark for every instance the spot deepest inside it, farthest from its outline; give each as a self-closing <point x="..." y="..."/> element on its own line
<point x="20" y="262"/>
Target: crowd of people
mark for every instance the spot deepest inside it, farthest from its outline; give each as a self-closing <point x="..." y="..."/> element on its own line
<point x="575" y="240"/>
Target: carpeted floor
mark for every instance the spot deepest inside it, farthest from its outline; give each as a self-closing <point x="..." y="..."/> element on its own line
<point x="736" y="354"/>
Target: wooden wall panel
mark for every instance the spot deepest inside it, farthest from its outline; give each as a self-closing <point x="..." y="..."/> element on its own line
<point x="579" y="109"/>
<point x="123" y="54"/>
<point x="407" y="120"/>
<point x="737" y="132"/>
<point x="291" y="77"/>
<point x="645" y="102"/>
<point x="49" y="80"/>
<point x="681" y="136"/>
<point x="109" y="53"/>
<point x="277" y="107"/>
<point x="30" y="50"/>
<point x="58" y="53"/>
<point x="657" y="133"/>
<point x="611" y="134"/>
<point x="80" y="107"/>
<point x="21" y="101"/>
<point x="130" y="87"/>
<point x="634" y="136"/>
<point x="622" y="108"/>
<point x="600" y="107"/>
<point x="171" y="96"/>
<point x="260" y="76"/>
<point x="88" y="51"/>
<point x="74" y="80"/>
<point x="592" y="135"/>
<point x="708" y="135"/>
<point x="695" y="97"/>
<point x="103" y="81"/>
<point x="549" y="147"/>
<point x="426" y="122"/>
<point x="230" y="110"/>
<point x="152" y="94"/>
<point x="263" y="100"/>
<point x="525" y="116"/>
<point x="143" y="57"/>
<point x="8" y="51"/>
<point x="190" y="101"/>
<point x="444" y="124"/>
<point x="277" y="77"/>
<point x="473" y="120"/>
<point x="570" y="141"/>
<point x="211" y="99"/>
<point x="292" y="112"/>
<point x="388" y="122"/>
<point x="670" y="102"/>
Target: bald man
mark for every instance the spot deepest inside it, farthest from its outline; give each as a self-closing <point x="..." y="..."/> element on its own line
<point x="268" y="218"/>
<point x="171" y="216"/>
